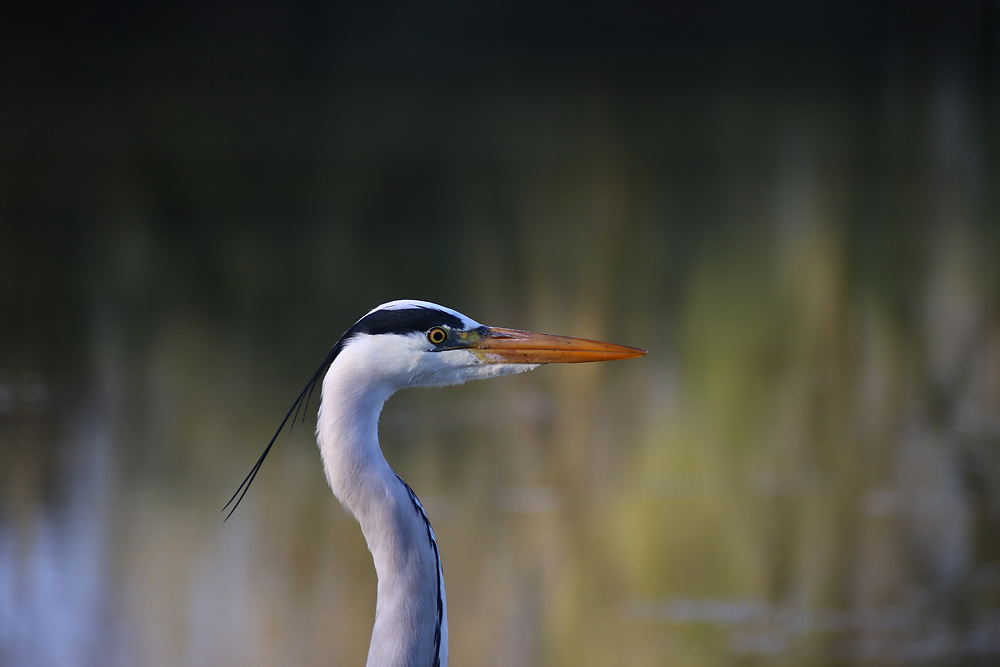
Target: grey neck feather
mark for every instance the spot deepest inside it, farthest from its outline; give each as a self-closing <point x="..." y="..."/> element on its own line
<point x="411" y="627"/>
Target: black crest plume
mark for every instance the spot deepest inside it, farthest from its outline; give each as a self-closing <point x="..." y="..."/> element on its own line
<point x="306" y="394"/>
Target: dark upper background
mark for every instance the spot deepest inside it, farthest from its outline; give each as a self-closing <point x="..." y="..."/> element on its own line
<point x="199" y="120"/>
<point x="305" y="47"/>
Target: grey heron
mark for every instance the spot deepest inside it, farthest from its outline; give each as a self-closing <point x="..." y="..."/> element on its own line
<point x="403" y="344"/>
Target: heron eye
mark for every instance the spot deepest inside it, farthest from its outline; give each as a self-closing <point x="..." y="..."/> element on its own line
<point x="437" y="335"/>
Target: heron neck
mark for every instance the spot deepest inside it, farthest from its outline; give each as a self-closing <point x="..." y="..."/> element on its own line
<point x="410" y="615"/>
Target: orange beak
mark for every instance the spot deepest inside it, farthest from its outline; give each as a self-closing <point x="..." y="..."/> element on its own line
<point x="510" y="346"/>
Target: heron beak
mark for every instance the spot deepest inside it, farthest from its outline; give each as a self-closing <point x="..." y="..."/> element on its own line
<point x="510" y="346"/>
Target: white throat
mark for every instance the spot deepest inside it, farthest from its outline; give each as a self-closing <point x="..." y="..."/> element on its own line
<point x="411" y="626"/>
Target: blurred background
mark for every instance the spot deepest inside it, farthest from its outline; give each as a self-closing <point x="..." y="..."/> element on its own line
<point x="793" y="206"/>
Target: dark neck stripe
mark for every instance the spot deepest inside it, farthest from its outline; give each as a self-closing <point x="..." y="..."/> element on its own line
<point x="437" y="568"/>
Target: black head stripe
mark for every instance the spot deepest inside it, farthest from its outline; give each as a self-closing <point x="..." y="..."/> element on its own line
<point x="404" y="321"/>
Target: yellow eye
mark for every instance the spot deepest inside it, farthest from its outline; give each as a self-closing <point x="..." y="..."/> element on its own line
<point x="437" y="335"/>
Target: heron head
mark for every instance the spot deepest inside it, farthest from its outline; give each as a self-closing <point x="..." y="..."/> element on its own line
<point x="417" y="343"/>
<point x="411" y="343"/>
